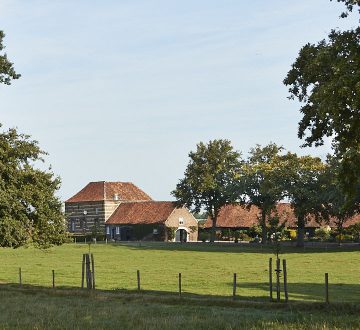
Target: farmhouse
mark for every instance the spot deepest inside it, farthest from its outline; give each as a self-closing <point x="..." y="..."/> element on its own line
<point x="122" y="211"/>
<point x="239" y="217"/>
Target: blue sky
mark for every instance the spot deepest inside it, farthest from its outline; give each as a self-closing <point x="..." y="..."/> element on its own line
<point x="123" y="90"/>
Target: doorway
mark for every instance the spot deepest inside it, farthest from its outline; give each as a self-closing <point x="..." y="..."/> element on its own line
<point x="181" y="235"/>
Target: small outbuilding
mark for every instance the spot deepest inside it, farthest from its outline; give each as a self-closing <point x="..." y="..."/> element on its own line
<point x="151" y="220"/>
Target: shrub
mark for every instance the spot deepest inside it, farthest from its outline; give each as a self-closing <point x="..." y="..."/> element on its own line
<point x="254" y="231"/>
<point x="204" y="236"/>
<point x="322" y="234"/>
<point x="292" y="233"/>
<point x="170" y="233"/>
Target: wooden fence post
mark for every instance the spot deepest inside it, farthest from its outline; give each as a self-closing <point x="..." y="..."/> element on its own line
<point x="20" y="279"/>
<point x="285" y="281"/>
<point x="138" y="279"/>
<point x="327" y="288"/>
<point x="234" y="286"/>
<point x="88" y="272"/>
<point x="278" y="279"/>
<point x="180" y="284"/>
<point x="270" y="279"/>
<point x="53" y="279"/>
<point x="83" y="272"/>
<point x="93" y="271"/>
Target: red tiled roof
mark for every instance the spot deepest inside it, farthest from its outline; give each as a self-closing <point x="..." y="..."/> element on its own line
<point x="141" y="213"/>
<point x="102" y="190"/>
<point x="237" y="216"/>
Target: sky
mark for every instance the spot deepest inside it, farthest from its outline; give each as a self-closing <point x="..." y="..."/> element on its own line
<point x="120" y="90"/>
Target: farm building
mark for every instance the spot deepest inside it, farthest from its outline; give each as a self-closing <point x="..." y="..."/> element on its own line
<point x="239" y="217"/>
<point x="122" y="211"/>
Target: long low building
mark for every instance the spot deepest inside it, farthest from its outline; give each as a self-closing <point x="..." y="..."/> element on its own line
<point x="122" y="211"/>
<point x="243" y="217"/>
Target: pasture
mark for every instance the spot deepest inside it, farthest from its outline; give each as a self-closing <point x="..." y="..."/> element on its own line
<point x="207" y="270"/>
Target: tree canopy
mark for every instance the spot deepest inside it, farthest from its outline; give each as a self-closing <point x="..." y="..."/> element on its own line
<point x="29" y="210"/>
<point x="304" y="189"/>
<point x="211" y="179"/>
<point x="7" y="71"/>
<point x="261" y="181"/>
<point x="325" y="78"/>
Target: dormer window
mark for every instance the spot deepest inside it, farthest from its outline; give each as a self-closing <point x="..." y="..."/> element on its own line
<point x="116" y="197"/>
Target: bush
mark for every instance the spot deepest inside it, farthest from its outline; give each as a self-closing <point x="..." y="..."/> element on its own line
<point x="292" y="234"/>
<point x="354" y="231"/>
<point x="204" y="236"/>
<point x="254" y="231"/>
<point x="322" y="234"/>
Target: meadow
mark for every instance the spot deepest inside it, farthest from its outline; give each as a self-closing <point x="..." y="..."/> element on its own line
<point x="207" y="270"/>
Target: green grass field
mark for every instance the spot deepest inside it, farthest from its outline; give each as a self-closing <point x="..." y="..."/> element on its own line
<point x="30" y="308"/>
<point x="206" y="270"/>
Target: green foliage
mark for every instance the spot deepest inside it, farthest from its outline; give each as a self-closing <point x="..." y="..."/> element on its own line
<point x="337" y="205"/>
<point x="350" y="4"/>
<point x="204" y="236"/>
<point x="29" y="210"/>
<point x="261" y="181"/>
<point x="304" y="188"/>
<point x="254" y="231"/>
<point x="322" y="233"/>
<point x="325" y="78"/>
<point x="171" y="231"/>
<point x="7" y="72"/>
<point x="354" y="230"/>
<point x="211" y="179"/>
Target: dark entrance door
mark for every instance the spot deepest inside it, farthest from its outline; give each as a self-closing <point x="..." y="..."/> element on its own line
<point x="113" y="233"/>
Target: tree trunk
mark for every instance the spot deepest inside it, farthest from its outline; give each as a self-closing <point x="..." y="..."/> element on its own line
<point x="213" y="229"/>
<point x="263" y="228"/>
<point x="300" y="231"/>
<point x="340" y="230"/>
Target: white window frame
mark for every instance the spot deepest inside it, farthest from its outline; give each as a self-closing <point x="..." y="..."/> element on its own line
<point x="107" y="230"/>
<point x="117" y="230"/>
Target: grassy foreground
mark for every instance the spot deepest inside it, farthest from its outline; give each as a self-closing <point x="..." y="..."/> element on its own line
<point x="206" y="270"/>
<point x="75" y="309"/>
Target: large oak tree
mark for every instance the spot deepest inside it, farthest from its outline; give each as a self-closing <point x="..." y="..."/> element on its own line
<point x="325" y="78"/>
<point x="304" y="188"/>
<point x="262" y="181"/>
<point x="30" y="212"/>
<point x="211" y="179"/>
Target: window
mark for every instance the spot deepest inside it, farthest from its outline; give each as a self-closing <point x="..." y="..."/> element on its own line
<point x="97" y="210"/>
<point x="181" y="221"/>
<point x="117" y="230"/>
<point x="107" y="230"/>
<point x="72" y="225"/>
<point x="155" y="231"/>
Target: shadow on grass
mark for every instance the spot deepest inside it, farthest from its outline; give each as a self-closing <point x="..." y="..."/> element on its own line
<point x="186" y="299"/>
<point x="298" y="292"/>
<point x="338" y="292"/>
<point x="286" y="247"/>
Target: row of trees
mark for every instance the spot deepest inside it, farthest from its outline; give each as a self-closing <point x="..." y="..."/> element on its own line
<point x="218" y="175"/>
